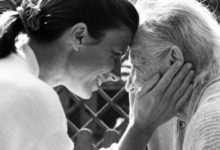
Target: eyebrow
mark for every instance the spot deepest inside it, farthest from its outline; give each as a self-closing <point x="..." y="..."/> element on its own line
<point x="138" y="59"/>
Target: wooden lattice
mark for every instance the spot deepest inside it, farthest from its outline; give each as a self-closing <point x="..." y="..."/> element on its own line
<point x="84" y="135"/>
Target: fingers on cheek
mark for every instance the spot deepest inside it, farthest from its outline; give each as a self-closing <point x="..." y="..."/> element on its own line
<point x="180" y="103"/>
<point x="184" y="90"/>
<point x="154" y="98"/>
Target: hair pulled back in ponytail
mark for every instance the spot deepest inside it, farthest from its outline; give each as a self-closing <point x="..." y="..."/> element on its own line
<point x="10" y="26"/>
<point x="99" y="15"/>
<point x="46" y="20"/>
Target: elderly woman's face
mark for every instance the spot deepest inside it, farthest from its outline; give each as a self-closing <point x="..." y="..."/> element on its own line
<point x="144" y="65"/>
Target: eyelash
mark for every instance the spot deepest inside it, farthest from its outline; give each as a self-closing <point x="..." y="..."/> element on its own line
<point x="116" y="54"/>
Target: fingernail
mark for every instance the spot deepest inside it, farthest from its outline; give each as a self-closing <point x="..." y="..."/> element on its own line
<point x="188" y="65"/>
<point x="192" y="72"/>
<point x="178" y="63"/>
<point x="157" y="76"/>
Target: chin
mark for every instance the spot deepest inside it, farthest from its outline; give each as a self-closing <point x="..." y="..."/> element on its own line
<point x="82" y="93"/>
<point x="85" y="96"/>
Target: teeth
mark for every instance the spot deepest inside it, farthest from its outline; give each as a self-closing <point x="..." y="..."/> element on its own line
<point x="99" y="81"/>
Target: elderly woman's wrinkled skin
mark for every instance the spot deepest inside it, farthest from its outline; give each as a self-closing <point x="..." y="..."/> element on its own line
<point x="144" y="67"/>
<point x="176" y="30"/>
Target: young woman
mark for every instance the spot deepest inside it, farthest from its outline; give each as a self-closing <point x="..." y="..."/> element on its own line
<point x="76" y="43"/>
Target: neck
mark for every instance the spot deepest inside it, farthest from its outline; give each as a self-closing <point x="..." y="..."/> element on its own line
<point x="190" y="108"/>
<point x="51" y="61"/>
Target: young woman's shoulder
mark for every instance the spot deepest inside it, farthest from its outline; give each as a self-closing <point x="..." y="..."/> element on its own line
<point x="27" y="95"/>
<point x="25" y="84"/>
<point x="31" y="110"/>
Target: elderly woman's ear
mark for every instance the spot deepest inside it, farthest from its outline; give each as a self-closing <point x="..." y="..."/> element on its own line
<point x="175" y="54"/>
<point x="169" y="55"/>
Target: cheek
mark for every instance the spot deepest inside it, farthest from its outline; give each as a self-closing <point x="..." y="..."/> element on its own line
<point x="148" y="71"/>
<point x="106" y="63"/>
<point x="156" y="66"/>
<point x="137" y="78"/>
<point x="99" y="62"/>
<point x="161" y="66"/>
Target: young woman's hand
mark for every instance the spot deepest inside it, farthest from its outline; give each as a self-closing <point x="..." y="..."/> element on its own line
<point x="151" y="107"/>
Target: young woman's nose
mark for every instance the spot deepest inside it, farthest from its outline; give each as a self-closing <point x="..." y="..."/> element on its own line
<point x="115" y="74"/>
<point x="110" y="76"/>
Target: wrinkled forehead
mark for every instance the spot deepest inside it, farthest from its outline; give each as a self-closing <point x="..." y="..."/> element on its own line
<point x="146" y="47"/>
<point x="141" y="47"/>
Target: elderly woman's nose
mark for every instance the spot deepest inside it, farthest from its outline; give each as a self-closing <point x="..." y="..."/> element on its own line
<point x="128" y="84"/>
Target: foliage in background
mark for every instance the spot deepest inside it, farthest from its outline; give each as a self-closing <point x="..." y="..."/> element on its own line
<point x="213" y="5"/>
<point x="9" y="4"/>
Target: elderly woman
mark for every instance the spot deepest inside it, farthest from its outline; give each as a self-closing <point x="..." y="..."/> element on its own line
<point x="177" y="30"/>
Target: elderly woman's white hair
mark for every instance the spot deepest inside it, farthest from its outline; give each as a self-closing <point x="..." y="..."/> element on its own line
<point x="186" y="24"/>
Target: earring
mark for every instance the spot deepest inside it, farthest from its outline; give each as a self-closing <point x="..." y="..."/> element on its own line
<point x="76" y="46"/>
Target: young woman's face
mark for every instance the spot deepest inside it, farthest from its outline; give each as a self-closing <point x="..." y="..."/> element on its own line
<point x="96" y="61"/>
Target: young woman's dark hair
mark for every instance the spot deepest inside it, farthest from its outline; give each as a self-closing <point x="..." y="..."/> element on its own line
<point x="46" y="20"/>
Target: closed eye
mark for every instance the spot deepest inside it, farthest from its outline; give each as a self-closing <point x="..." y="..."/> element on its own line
<point x="117" y="54"/>
<point x="135" y="67"/>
